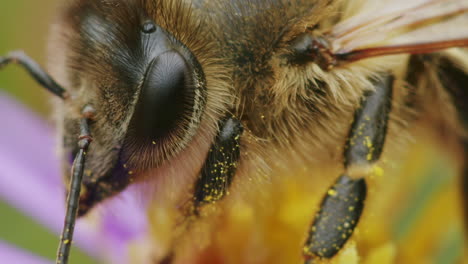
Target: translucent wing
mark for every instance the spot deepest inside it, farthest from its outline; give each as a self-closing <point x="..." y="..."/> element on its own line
<point x="400" y="26"/>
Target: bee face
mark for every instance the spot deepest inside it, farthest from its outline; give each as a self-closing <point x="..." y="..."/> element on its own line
<point x="146" y="70"/>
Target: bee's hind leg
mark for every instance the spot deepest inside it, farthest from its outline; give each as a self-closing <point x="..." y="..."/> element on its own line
<point x="455" y="81"/>
<point x="342" y="206"/>
<point x="464" y="185"/>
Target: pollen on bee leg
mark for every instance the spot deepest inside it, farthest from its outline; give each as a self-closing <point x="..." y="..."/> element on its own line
<point x="377" y="171"/>
<point x="339" y="214"/>
<point x="342" y="207"/>
<point x="220" y="165"/>
<point x="349" y="255"/>
<point x="357" y="171"/>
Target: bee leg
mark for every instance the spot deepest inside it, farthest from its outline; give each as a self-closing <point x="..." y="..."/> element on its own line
<point x="35" y="71"/>
<point x="220" y="165"/>
<point x="217" y="172"/>
<point x="464" y="185"/>
<point x="75" y="187"/>
<point x="342" y="206"/>
<point x="455" y="81"/>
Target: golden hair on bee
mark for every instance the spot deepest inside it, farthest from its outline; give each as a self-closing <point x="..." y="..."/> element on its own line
<point x="258" y="99"/>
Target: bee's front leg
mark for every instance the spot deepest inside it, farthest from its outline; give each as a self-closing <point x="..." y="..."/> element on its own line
<point x="220" y="165"/>
<point x="342" y="206"/>
<point x="216" y="174"/>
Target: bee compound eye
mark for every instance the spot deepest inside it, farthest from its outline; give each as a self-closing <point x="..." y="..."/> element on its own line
<point x="166" y="97"/>
<point x="148" y="27"/>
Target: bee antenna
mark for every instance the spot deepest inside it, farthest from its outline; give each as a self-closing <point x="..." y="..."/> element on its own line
<point x="75" y="187"/>
<point x="417" y="48"/>
<point x="36" y="71"/>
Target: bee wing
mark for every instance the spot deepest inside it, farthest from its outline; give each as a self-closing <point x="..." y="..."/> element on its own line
<point x="401" y="26"/>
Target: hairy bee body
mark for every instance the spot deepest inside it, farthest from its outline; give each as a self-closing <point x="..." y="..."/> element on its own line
<point x="249" y="61"/>
<point x="296" y="115"/>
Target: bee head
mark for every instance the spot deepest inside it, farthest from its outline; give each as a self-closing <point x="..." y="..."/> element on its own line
<point x="149" y="70"/>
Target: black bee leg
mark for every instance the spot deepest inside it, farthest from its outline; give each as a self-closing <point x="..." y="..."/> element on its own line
<point x="35" y="71"/>
<point x="220" y="165"/>
<point x="216" y="174"/>
<point x="455" y="81"/>
<point x="464" y="184"/>
<point x="342" y="206"/>
<point x="75" y="187"/>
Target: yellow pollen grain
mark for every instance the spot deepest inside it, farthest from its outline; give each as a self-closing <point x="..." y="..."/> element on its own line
<point x="332" y="192"/>
<point x="348" y="255"/>
<point x="153" y="142"/>
<point x="368" y="142"/>
<point x="377" y="171"/>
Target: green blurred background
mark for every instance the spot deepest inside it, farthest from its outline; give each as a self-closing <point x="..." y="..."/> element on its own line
<point x="24" y="25"/>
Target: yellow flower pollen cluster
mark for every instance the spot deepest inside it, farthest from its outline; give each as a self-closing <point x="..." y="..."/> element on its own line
<point x="410" y="217"/>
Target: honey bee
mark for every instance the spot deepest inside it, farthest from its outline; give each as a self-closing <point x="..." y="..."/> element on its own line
<point x="198" y="100"/>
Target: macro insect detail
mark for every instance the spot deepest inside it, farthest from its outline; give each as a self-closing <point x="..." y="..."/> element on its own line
<point x="195" y="100"/>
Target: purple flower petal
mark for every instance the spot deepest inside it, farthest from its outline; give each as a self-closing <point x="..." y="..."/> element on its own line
<point x="10" y="254"/>
<point x="123" y="221"/>
<point x="30" y="181"/>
